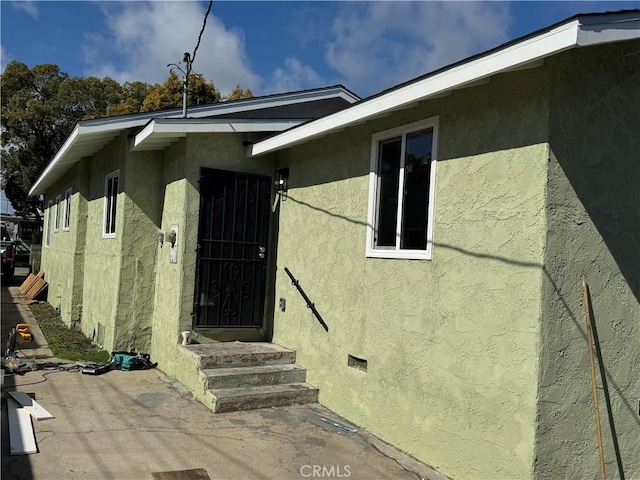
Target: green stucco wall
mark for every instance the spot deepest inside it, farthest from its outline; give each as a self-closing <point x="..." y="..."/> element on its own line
<point x="105" y="285"/>
<point x="102" y="260"/>
<point x="593" y="226"/>
<point x="477" y="363"/>
<point x="141" y="207"/>
<point x="170" y="314"/>
<point x="452" y="343"/>
<point x="62" y="258"/>
<point x="125" y="293"/>
<point x="175" y="283"/>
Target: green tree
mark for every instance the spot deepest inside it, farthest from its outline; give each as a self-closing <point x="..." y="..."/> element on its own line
<point x="32" y="129"/>
<point x="238" y="94"/>
<point x="169" y="94"/>
<point x="89" y="97"/>
<point x="40" y="107"/>
<point x="133" y="95"/>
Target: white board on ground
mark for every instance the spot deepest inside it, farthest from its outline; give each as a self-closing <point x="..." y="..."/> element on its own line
<point x="21" y="437"/>
<point x="31" y="406"/>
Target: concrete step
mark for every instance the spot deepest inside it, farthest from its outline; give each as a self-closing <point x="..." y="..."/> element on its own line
<point x="251" y="376"/>
<point x="239" y="354"/>
<point x="248" y="398"/>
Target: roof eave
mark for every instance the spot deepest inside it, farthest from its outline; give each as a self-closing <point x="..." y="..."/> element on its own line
<point x="578" y="31"/>
<point x="72" y="150"/>
<point x="36" y="189"/>
<point x="529" y="50"/>
<point x="160" y="133"/>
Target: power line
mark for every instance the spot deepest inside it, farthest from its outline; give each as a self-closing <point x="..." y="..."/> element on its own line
<point x="204" y="24"/>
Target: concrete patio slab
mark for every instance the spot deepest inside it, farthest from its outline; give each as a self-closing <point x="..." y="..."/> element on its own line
<point x="128" y="425"/>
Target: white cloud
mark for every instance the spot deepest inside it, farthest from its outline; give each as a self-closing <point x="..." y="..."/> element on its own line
<point x="294" y="75"/>
<point x="5" y="58"/>
<point x="142" y="38"/>
<point x="368" y="46"/>
<point x="26" y="6"/>
<point x="376" y="45"/>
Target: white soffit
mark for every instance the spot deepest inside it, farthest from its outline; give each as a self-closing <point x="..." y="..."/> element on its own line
<point x="529" y="52"/>
<point x="83" y="141"/>
<point x="160" y="133"/>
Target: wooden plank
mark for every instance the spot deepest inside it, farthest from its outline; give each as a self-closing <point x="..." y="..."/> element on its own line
<point x="35" y="289"/>
<point x="31" y="406"/>
<point x="30" y="280"/>
<point x="26" y="285"/>
<point x="22" y="440"/>
<point x="194" y="474"/>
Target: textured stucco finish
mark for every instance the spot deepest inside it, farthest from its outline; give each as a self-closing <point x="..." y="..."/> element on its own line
<point x="477" y="363"/>
<point x="451" y="343"/>
<point x="62" y="258"/>
<point x="175" y="283"/>
<point x="141" y="212"/>
<point x="102" y="260"/>
<point x="593" y="230"/>
<point x="104" y="285"/>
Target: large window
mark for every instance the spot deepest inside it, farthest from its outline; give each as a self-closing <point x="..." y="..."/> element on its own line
<point x="402" y="181"/>
<point x="110" y="204"/>
<point x="67" y="210"/>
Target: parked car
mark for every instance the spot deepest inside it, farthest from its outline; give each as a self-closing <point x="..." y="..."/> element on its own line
<point x="8" y="256"/>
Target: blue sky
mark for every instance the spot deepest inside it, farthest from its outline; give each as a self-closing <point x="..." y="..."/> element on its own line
<point x="270" y="47"/>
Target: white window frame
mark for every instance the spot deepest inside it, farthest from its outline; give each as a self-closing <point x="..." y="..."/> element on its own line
<point x="47" y="237"/>
<point x="56" y="224"/>
<point x="107" y="203"/>
<point x="372" y="215"/>
<point x="66" y="224"/>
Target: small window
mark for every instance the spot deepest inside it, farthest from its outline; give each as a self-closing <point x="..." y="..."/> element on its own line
<point x="110" y="204"/>
<point x="57" y="220"/>
<point x="48" y="226"/>
<point x="401" y="191"/>
<point x="67" y="210"/>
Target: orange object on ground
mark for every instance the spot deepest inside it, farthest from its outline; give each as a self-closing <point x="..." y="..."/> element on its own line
<point x="24" y="335"/>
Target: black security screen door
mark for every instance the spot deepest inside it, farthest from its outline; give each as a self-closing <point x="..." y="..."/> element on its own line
<point x="232" y="249"/>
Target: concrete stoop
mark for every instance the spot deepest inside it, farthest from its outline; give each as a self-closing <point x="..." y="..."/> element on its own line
<point x="245" y="376"/>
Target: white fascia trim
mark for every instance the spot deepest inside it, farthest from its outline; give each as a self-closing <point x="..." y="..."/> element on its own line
<point x="115" y="124"/>
<point x="61" y="153"/>
<point x="175" y="130"/>
<point x="556" y="40"/>
<point x="76" y="139"/>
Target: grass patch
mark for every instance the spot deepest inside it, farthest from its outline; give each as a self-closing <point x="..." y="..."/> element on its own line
<point x="66" y="343"/>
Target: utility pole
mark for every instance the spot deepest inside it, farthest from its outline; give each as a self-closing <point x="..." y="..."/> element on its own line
<point x="188" y="62"/>
<point x="185" y="83"/>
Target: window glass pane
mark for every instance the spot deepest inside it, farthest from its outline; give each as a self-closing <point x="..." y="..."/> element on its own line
<point x="110" y="203"/>
<point x="415" y="201"/>
<point x="114" y="200"/>
<point x="388" y="180"/>
<point x="107" y="207"/>
<point x="48" y="237"/>
<point x="57" y="213"/>
<point x="67" y="211"/>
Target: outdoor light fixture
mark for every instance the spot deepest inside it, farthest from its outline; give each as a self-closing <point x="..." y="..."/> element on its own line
<point x="282" y="180"/>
